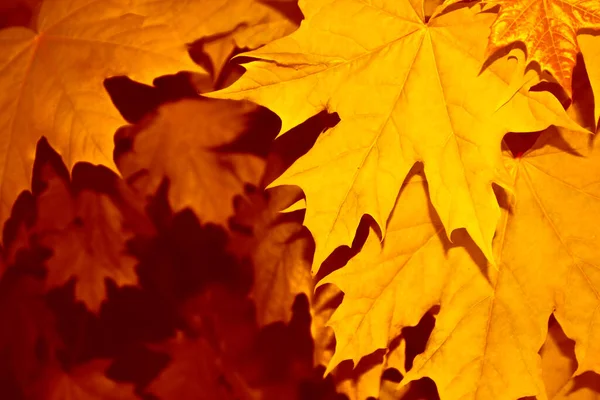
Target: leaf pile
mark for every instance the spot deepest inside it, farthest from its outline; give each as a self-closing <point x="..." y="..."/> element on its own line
<point x="322" y="200"/>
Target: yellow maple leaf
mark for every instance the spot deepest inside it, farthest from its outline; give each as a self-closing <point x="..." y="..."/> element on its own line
<point x="547" y="251"/>
<point x="492" y="322"/>
<point x="379" y="281"/>
<point x="405" y="91"/>
<point x="548" y="28"/>
<point x="51" y="82"/>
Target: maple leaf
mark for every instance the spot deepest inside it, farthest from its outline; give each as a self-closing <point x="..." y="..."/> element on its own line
<point x="382" y="69"/>
<point x="87" y="236"/>
<point x="501" y="313"/>
<point x="91" y="249"/>
<point x="52" y="78"/>
<point x="548" y="28"/>
<point x="222" y="25"/>
<point x="373" y="282"/>
<point x="279" y="250"/>
<point x="185" y="142"/>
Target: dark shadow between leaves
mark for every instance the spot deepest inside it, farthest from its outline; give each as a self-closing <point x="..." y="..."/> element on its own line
<point x="185" y="255"/>
<point x="318" y="388"/>
<point x="522" y="143"/>
<point x="583" y="96"/>
<point x="295" y="143"/>
<point x="197" y="52"/>
<point x="417" y="336"/>
<point x="17" y="14"/>
<point x="342" y="254"/>
<point x="551" y="86"/>
<point x="134" y="100"/>
<point x="289" y="9"/>
<point x="501" y="53"/>
<point x="263" y="126"/>
<point x="588" y="380"/>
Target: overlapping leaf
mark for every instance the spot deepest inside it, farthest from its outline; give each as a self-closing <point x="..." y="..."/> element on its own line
<point x="405" y="91"/>
<point x="501" y="313"/>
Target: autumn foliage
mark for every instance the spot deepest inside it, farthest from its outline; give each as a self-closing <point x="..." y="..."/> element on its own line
<point x="312" y="200"/>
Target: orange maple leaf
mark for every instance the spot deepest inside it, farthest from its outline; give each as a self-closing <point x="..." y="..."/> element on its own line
<point x="84" y="229"/>
<point x="185" y="142"/>
<point x="548" y="28"/>
<point x="91" y="249"/>
<point x="405" y="91"/>
<point x="280" y="251"/>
